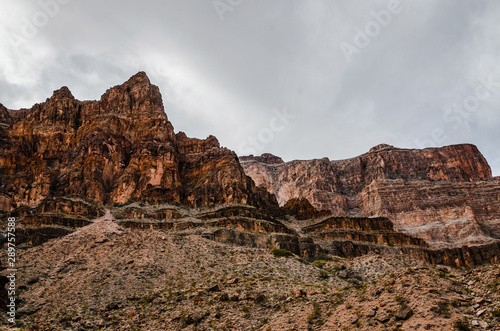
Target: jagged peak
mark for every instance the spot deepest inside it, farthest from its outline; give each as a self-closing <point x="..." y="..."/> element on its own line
<point x="136" y="95"/>
<point x="188" y="145"/>
<point x="380" y="147"/>
<point x="139" y="79"/>
<point x="62" y="93"/>
<point x="138" y="83"/>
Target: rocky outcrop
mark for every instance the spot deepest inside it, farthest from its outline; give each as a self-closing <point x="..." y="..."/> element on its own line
<point x="64" y="162"/>
<point x="303" y="210"/>
<point x="460" y="257"/>
<point x="378" y="231"/>
<point x="265" y="158"/>
<point x="118" y="149"/>
<point x="303" y="247"/>
<point x="445" y="214"/>
<point x="315" y="180"/>
<point x="446" y="196"/>
<point x="53" y="218"/>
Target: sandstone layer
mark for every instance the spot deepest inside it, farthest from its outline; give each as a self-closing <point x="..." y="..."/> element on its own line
<point x="65" y="163"/>
<point x="446" y="196"/>
<point x="117" y="149"/>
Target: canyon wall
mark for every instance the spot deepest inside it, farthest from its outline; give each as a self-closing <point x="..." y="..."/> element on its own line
<point x="446" y="196"/>
<point x="120" y="148"/>
<point x="66" y="163"/>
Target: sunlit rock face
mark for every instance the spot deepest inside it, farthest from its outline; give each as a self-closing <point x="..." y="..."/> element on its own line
<point x="68" y="165"/>
<point x="118" y="149"/>
<point x="446" y="196"/>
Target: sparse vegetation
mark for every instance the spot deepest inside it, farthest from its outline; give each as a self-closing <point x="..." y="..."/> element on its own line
<point x="444" y="308"/>
<point x="462" y="324"/>
<point x="281" y="253"/>
<point x="323" y="274"/>
<point x="495" y="312"/>
<point x="319" y="263"/>
<point x="315" y="313"/>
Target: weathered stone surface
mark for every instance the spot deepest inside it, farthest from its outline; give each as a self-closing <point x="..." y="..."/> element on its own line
<point x="445" y="214"/>
<point x="64" y="162"/>
<point x="404" y="313"/>
<point x="303" y="210"/>
<point x="446" y="196"/>
<point x="114" y="150"/>
<point x="266" y="158"/>
<point x="321" y="185"/>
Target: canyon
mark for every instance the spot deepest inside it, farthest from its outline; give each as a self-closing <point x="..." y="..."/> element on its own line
<point x="92" y="178"/>
<point x="445" y="196"/>
<point x="64" y="162"/>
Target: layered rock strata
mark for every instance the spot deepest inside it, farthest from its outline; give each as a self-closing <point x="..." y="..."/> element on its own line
<point x="445" y="196"/>
<point x="117" y="149"/>
<point x="64" y="162"/>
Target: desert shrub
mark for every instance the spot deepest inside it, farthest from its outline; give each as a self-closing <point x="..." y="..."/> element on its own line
<point x="315" y="313"/>
<point x="462" y="324"/>
<point x="281" y="252"/>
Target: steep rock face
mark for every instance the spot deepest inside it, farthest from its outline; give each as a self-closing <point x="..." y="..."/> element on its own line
<point x="446" y="196"/>
<point x="211" y="175"/>
<point x="445" y="214"/>
<point x="315" y="180"/>
<point x="265" y="158"/>
<point x="64" y="161"/>
<point x="303" y="210"/>
<point x="117" y="149"/>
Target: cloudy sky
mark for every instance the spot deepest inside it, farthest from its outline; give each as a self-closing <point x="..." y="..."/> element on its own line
<point x="300" y="79"/>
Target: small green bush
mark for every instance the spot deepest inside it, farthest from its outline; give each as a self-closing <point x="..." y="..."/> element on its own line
<point x="315" y="313"/>
<point x="281" y="252"/>
<point x="462" y="324"/>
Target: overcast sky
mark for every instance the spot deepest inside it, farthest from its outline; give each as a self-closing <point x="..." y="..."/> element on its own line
<point x="300" y="79"/>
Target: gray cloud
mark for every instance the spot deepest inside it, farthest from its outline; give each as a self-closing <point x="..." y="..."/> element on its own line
<point x="228" y="77"/>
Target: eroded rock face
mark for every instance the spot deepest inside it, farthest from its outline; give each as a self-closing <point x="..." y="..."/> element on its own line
<point x="117" y="149"/>
<point x="446" y="196"/>
<point x="265" y="158"/>
<point x="303" y="210"/>
<point x="67" y="165"/>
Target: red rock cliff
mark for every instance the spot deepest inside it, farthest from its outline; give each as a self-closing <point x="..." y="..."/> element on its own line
<point x="446" y="196"/>
<point x="119" y="148"/>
